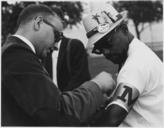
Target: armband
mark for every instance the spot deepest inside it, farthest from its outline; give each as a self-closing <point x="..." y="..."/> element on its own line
<point x="124" y="96"/>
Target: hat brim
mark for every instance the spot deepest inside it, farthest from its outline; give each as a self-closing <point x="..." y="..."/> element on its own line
<point x="92" y="40"/>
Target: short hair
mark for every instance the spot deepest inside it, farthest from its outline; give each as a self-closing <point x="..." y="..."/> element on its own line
<point x="33" y="10"/>
<point x="58" y="11"/>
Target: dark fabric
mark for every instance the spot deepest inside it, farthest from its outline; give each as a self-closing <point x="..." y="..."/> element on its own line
<point x="111" y="117"/>
<point x="29" y="97"/>
<point x="78" y="62"/>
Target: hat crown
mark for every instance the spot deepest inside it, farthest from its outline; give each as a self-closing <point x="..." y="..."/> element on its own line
<point x="100" y="22"/>
<point x="108" y="15"/>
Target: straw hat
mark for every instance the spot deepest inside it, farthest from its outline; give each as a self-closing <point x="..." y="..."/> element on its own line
<point x="99" y="23"/>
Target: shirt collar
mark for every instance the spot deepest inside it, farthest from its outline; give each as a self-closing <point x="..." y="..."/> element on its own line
<point x="59" y="44"/>
<point x="25" y="40"/>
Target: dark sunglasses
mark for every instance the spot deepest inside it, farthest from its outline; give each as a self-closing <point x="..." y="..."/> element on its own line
<point x="98" y="47"/>
<point x="57" y="35"/>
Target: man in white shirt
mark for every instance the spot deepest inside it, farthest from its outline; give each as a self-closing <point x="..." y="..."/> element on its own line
<point x="138" y="98"/>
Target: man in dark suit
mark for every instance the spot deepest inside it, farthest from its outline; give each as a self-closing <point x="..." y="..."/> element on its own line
<point x="71" y="73"/>
<point x="68" y="66"/>
<point x="29" y="97"/>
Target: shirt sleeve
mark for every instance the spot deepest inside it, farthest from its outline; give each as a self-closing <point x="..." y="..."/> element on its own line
<point x="133" y="75"/>
<point x="35" y="93"/>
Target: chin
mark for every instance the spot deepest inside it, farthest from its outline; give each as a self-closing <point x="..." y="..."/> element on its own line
<point x="42" y="56"/>
<point x="45" y="53"/>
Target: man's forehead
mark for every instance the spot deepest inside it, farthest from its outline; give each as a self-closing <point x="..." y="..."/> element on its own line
<point x="56" y="22"/>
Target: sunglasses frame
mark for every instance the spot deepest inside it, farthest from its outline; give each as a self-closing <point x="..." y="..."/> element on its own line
<point x="57" y="35"/>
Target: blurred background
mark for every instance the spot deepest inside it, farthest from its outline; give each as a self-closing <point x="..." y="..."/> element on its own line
<point x="145" y="22"/>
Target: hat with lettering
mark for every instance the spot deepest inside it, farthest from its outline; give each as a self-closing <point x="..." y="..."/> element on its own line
<point x="99" y="23"/>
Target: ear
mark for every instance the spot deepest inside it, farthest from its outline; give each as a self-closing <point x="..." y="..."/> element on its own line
<point x="37" y="21"/>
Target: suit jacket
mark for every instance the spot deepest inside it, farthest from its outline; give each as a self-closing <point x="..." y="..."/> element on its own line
<point x="29" y="97"/>
<point x="78" y="63"/>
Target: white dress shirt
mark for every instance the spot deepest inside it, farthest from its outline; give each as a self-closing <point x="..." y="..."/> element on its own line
<point x="54" y="64"/>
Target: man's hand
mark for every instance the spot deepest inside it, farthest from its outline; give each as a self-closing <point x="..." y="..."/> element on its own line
<point x="105" y="81"/>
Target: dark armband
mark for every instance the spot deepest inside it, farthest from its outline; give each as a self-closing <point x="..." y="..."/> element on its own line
<point x="124" y="96"/>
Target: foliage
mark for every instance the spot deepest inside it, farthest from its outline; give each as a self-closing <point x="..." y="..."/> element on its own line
<point x="141" y="12"/>
<point x="72" y="14"/>
<point x="72" y="11"/>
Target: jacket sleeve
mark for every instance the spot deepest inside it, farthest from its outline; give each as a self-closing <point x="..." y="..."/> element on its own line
<point x="35" y="93"/>
<point x="79" y="65"/>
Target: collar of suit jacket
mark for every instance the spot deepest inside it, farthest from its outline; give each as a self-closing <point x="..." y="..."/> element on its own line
<point x="25" y="40"/>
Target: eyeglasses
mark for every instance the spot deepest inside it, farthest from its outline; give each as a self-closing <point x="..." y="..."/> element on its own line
<point x="98" y="47"/>
<point x="103" y="43"/>
<point x="57" y="35"/>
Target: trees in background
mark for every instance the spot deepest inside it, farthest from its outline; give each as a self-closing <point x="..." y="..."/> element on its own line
<point x="72" y="11"/>
<point x="141" y="12"/>
<point x="72" y="14"/>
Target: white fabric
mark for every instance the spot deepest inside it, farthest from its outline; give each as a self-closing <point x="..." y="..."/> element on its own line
<point x="54" y="64"/>
<point x="25" y="40"/>
<point x="143" y="70"/>
<point x="117" y="103"/>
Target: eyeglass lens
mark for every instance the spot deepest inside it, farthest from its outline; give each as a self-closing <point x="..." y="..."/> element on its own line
<point x="57" y="35"/>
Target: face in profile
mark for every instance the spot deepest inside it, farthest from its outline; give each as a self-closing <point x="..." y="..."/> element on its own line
<point x="49" y="34"/>
<point x="113" y="47"/>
